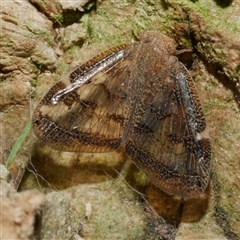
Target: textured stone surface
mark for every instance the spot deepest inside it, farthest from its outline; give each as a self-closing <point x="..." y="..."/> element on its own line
<point x="18" y="210"/>
<point x="32" y="45"/>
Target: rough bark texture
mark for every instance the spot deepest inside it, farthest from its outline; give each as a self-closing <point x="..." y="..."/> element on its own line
<point x="43" y="40"/>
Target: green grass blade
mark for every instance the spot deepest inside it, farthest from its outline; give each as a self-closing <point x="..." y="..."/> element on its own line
<point x="18" y="143"/>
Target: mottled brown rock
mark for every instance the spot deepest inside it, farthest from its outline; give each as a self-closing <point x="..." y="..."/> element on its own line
<point x="116" y="211"/>
<point x="52" y="9"/>
<point x="18" y="211"/>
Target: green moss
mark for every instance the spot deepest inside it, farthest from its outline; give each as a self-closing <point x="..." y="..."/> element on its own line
<point x="59" y="18"/>
<point x="6" y="42"/>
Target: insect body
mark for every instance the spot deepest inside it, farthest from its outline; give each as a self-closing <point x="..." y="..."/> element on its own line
<point x="136" y="95"/>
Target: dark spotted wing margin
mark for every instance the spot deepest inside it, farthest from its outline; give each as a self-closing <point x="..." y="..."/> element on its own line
<point x="170" y="142"/>
<point x="89" y="109"/>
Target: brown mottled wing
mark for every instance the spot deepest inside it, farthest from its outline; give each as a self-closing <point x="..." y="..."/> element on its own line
<point x="89" y="109"/>
<point x="170" y="142"/>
